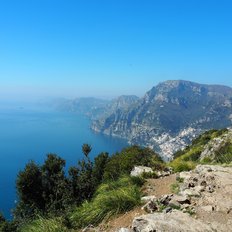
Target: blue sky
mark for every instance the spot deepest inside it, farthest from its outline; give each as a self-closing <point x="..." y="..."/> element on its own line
<point x="105" y="48"/>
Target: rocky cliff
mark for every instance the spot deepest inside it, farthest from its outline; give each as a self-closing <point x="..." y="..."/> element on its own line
<point x="170" y="115"/>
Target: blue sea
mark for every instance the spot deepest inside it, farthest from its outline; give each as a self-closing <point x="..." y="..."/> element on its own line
<point x="30" y="133"/>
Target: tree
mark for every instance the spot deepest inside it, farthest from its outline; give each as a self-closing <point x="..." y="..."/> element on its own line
<point x="55" y="185"/>
<point x="81" y="181"/>
<point x="42" y="189"/>
<point x="86" y="149"/>
<point x="6" y="226"/>
<point x="29" y="190"/>
<point x="87" y="175"/>
<point x="99" y="167"/>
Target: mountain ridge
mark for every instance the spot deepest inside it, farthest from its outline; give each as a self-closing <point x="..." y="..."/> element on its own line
<point x="170" y="115"/>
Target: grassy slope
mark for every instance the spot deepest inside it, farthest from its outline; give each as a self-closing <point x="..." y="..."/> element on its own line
<point x="191" y="156"/>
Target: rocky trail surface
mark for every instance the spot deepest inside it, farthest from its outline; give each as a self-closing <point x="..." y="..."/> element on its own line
<point x="204" y="203"/>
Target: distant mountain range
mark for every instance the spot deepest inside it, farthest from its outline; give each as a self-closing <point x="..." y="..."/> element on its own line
<point x="167" y="118"/>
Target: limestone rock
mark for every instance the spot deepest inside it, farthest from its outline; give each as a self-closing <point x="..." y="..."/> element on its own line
<point x="165" y="199"/>
<point x="124" y="230"/>
<point x="175" y="221"/>
<point x="150" y="207"/>
<point x="148" y="198"/>
<point x="139" y="170"/>
<point x="177" y="201"/>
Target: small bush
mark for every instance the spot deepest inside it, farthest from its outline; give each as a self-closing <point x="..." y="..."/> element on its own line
<point x="179" y="179"/>
<point x="122" y="163"/>
<point x="148" y="175"/>
<point x="137" y="180"/>
<point x="180" y="166"/>
<point x="206" y="160"/>
<point x="193" y="155"/>
<point x="175" y="188"/>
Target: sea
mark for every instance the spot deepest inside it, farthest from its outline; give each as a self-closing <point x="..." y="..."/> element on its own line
<point x="29" y="132"/>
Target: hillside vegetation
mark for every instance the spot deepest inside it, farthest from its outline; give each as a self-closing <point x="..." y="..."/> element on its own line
<point x="212" y="147"/>
<point x="50" y="200"/>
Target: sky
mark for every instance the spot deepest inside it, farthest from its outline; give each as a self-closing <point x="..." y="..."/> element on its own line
<point x="106" y="48"/>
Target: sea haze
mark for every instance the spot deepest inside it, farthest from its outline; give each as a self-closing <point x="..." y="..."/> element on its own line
<point x="29" y="133"/>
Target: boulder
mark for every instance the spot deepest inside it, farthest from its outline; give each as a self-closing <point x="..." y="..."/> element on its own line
<point x="150" y="207"/>
<point x="184" y="175"/>
<point x="175" y="221"/>
<point x="182" y="199"/>
<point x="148" y="198"/>
<point x="165" y="199"/>
<point x="191" y="192"/>
<point x="139" y="170"/>
<point x="177" y="201"/>
<point x="208" y="208"/>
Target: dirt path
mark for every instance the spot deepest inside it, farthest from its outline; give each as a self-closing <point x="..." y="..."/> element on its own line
<point x="156" y="187"/>
<point x="159" y="187"/>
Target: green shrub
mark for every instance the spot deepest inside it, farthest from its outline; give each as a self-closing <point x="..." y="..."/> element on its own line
<point x="175" y="188"/>
<point x="137" y="180"/>
<point x="193" y="154"/>
<point x="206" y="160"/>
<point x="111" y="199"/>
<point x="179" y="179"/>
<point x="180" y="166"/>
<point x="224" y="153"/>
<point x="148" y="175"/>
<point x="123" y="162"/>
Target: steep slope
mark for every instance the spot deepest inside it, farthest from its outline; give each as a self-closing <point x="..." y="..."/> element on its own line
<point x="170" y="115"/>
<point x="212" y="147"/>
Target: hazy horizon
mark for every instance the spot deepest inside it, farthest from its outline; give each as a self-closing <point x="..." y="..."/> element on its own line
<point x="57" y="49"/>
<point x="49" y="99"/>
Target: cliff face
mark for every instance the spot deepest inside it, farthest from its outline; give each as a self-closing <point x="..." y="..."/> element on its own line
<point x="170" y="115"/>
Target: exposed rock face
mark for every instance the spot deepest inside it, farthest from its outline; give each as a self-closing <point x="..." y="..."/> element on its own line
<point x="170" y="115"/>
<point x="174" y="221"/>
<point x="205" y="193"/>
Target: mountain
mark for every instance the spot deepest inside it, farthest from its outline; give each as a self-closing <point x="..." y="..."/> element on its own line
<point x="89" y="106"/>
<point x="170" y="115"/>
<point x="95" y="108"/>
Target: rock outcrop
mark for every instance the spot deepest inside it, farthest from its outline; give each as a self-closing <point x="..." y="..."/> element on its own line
<point x="139" y="170"/>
